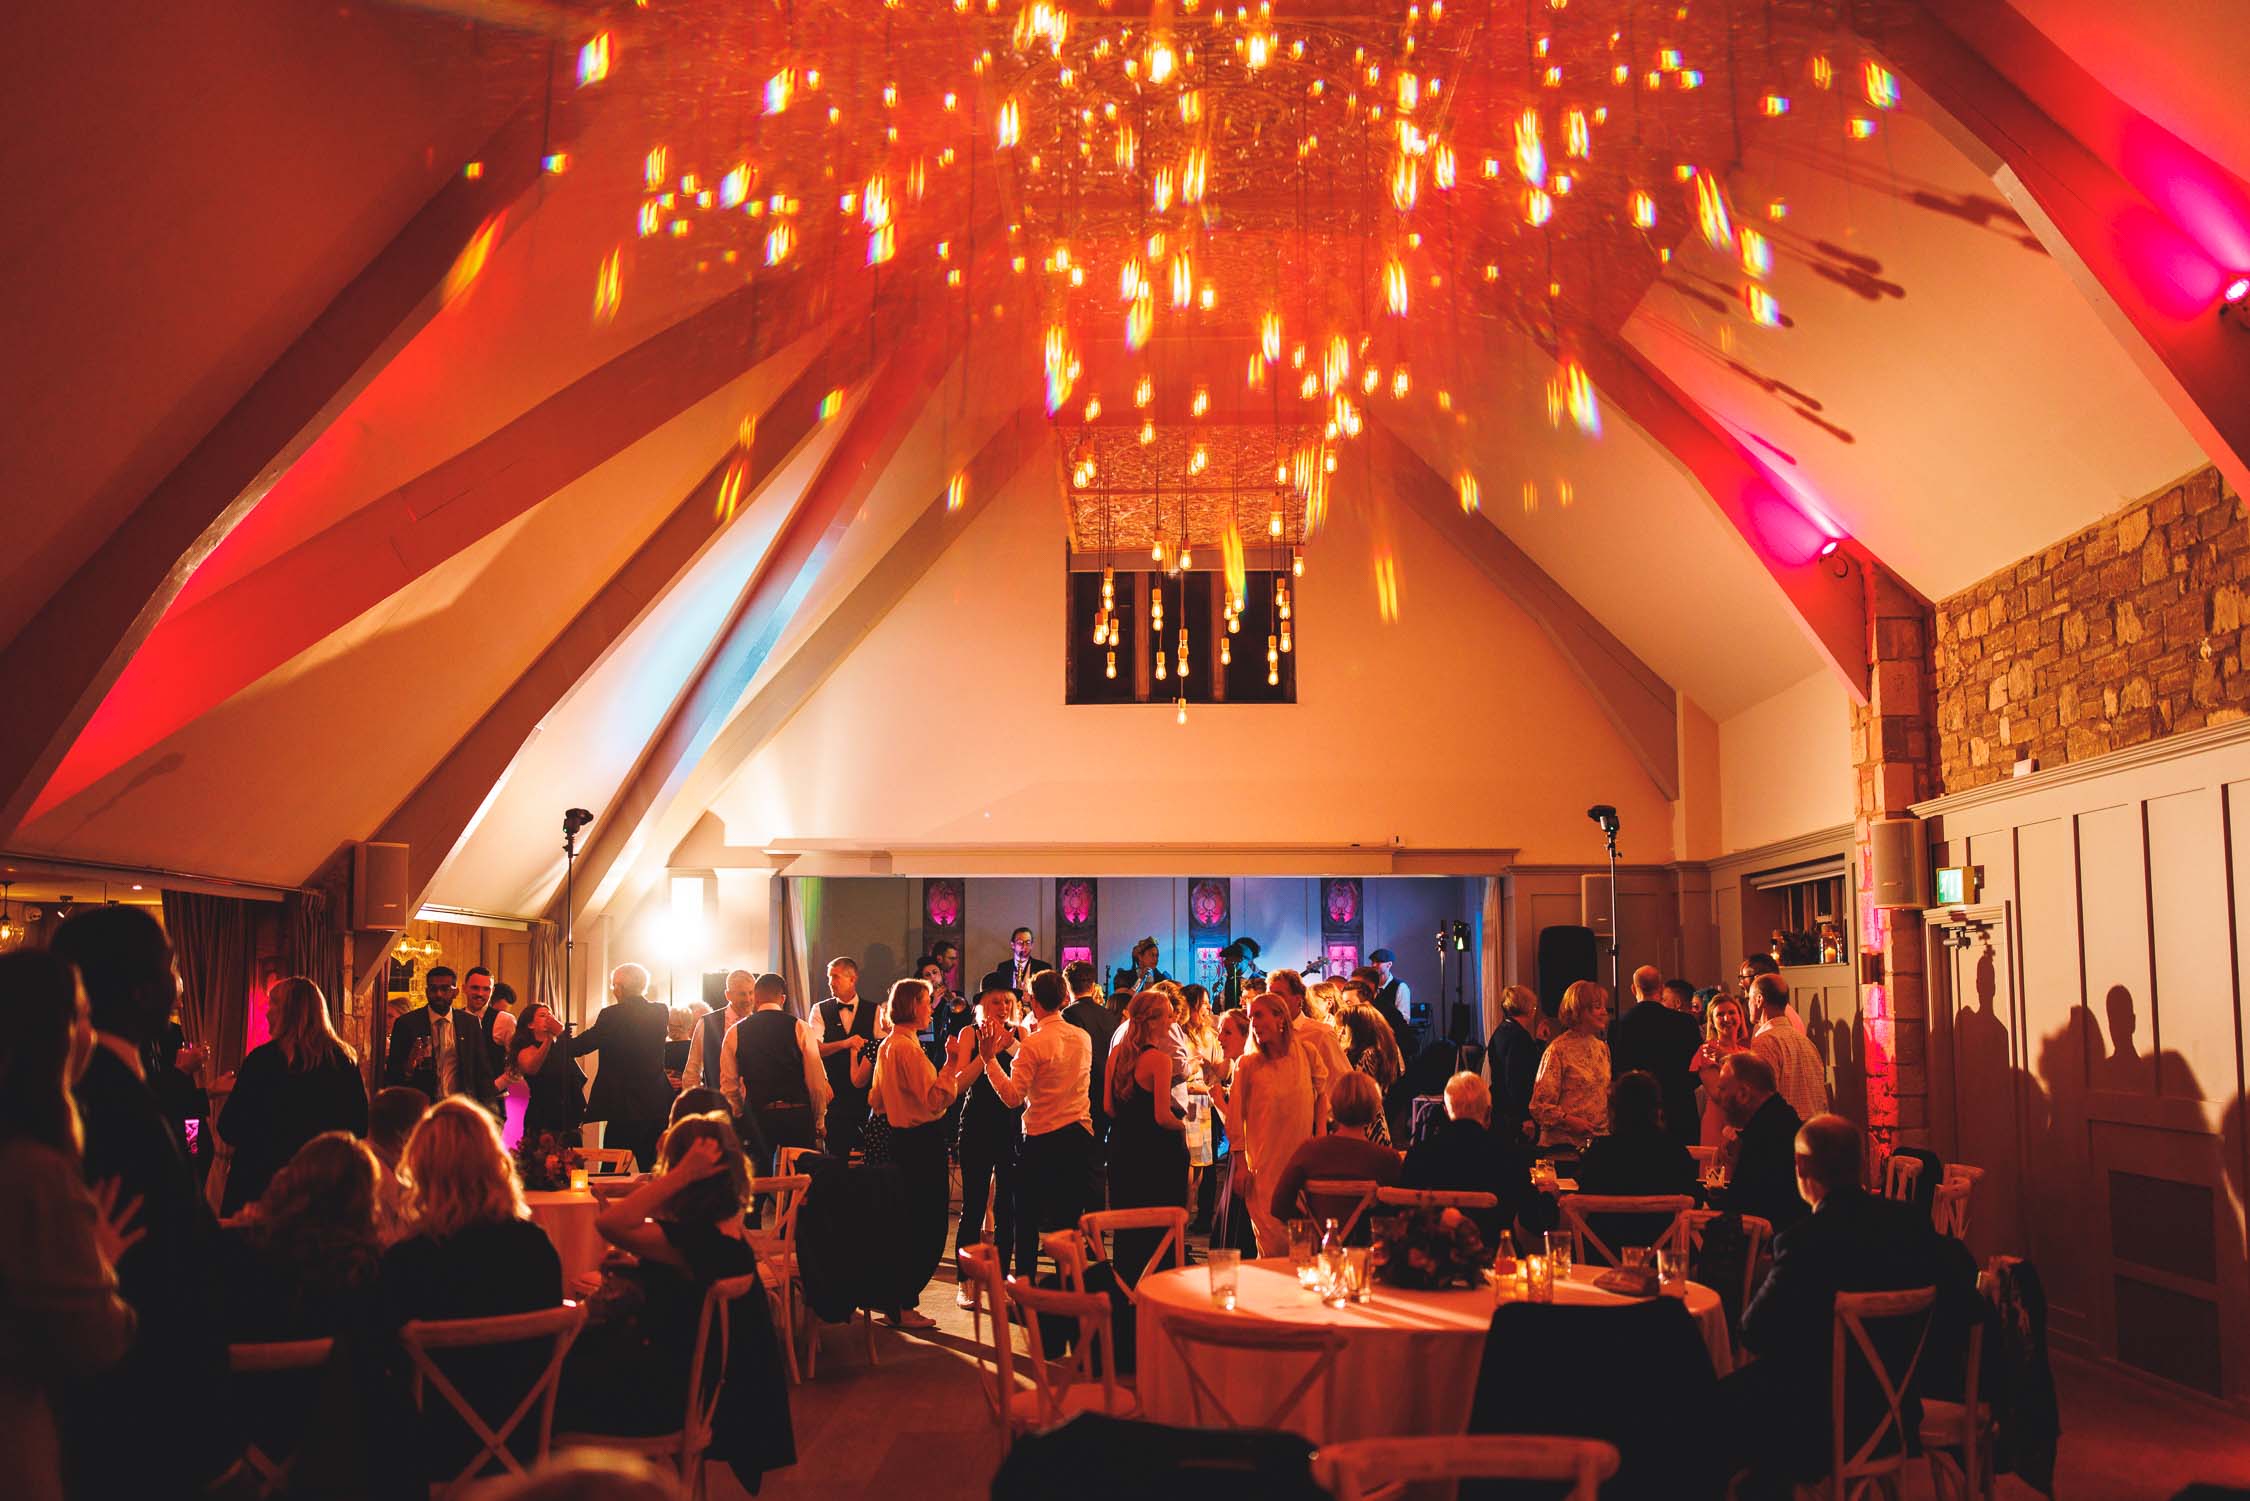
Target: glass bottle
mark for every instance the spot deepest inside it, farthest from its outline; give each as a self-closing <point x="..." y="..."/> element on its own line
<point x="1333" y="1292"/>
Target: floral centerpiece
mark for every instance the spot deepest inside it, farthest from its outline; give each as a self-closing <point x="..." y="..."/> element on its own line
<point x="544" y="1162"/>
<point x="1429" y="1248"/>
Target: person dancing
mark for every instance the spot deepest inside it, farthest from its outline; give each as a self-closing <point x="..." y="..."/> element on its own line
<point x="912" y="1096"/>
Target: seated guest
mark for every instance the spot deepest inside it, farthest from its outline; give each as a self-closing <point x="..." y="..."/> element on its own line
<point x="1761" y="1165"/>
<point x="302" y="1262"/>
<point x="1511" y="1062"/>
<point x="61" y="1319"/>
<point x="1638" y="1157"/>
<point x="471" y="1251"/>
<point x="1347" y="1151"/>
<point x="391" y="1119"/>
<point x="173" y="1382"/>
<point x="471" y="1248"/>
<point x="303" y="1082"/>
<point x="1850" y="1241"/>
<point x="627" y="1370"/>
<point x="1466" y="1155"/>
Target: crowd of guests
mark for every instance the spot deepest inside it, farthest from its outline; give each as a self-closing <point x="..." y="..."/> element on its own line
<point x="345" y="1218"/>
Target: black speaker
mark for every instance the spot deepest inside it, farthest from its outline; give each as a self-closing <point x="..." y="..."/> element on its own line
<point x="1565" y="954"/>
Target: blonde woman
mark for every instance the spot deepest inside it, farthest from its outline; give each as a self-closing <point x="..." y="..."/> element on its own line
<point x="302" y="1082"/>
<point x="1726" y="1031"/>
<point x="1278" y="1103"/>
<point x="1147" y="1136"/>
<point x="471" y="1249"/>
<point x="1570" y="1098"/>
<point x="912" y="1097"/>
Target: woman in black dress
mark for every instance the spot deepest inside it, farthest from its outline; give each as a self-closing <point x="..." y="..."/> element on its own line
<point x="987" y="1148"/>
<point x="627" y="1372"/>
<point x="289" y="1090"/>
<point x="557" y="1085"/>
<point x="1148" y="1158"/>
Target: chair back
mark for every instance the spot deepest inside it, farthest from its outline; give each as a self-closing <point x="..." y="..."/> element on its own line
<point x="420" y="1337"/>
<point x="703" y="1406"/>
<point x="1194" y="1334"/>
<point x="1354" y="1469"/>
<point x="1587" y="1246"/>
<point x="1756" y="1232"/>
<point x="1067" y="1249"/>
<point x="1463" y="1199"/>
<point x="1900" y="1174"/>
<point x="785" y="1160"/>
<point x="980" y="1270"/>
<point x="606" y="1162"/>
<point x="1090" y="1362"/>
<point x="787" y="1190"/>
<point x="1863" y="1469"/>
<point x="264" y="1359"/>
<point x="1344" y="1200"/>
<point x="1949" y="1208"/>
<point x="1094" y="1229"/>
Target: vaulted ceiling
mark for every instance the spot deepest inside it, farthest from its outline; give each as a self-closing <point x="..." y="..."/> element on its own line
<point x="373" y="472"/>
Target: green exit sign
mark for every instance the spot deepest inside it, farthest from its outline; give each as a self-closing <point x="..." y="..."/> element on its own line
<point x="1956" y="885"/>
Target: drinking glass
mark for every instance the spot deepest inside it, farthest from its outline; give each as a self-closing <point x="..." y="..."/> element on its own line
<point x="1359" y="1281"/>
<point x="1304" y="1251"/>
<point x="1539" y="1279"/>
<point x="1226" y="1271"/>
<point x="1636" y="1258"/>
<point x="1671" y="1273"/>
<point x="1560" y="1254"/>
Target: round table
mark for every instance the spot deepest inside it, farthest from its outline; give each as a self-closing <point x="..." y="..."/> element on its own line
<point x="1409" y="1363"/>
<point x="567" y="1215"/>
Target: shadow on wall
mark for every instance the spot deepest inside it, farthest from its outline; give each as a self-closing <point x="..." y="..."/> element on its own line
<point x="2078" y="1134"/>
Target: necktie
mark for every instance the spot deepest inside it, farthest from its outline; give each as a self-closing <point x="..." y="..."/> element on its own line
<point x="441" y="1044"/>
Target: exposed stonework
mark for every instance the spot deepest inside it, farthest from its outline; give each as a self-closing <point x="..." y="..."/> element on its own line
<point x="2130" y="630"/>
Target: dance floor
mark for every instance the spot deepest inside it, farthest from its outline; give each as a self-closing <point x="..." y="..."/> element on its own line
<point x="935" y="1440"/>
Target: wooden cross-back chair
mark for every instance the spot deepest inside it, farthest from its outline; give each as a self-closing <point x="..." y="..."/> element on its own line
<point x="683" y="1449"/>
<point x="1855" y="1472"/>
<point x="1756" y="1233"/>
<point x="1586" y="1245"/>
<point x="1191" y="1334"/>
<point x="1094" y="1229"/>
<point x="420" y="1337"/>
<point x="1463" y="1199"/>
<point x="1344" y="1200"/>
<point x="1085" y="1380"/>
<point x="608" y="1162"/>
<point x="1900" y="1175"/>
<point x="265" y="1359"/>
<point x="777" y="1256"/>
<point x="1370" y="1469"/>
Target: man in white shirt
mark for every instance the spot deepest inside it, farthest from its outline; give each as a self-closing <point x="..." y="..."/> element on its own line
<point x="704" y="1070"/>
<point x="1053" y="1063"/>
<point x="1800" y="1076"/>
<point x="770" y="1070"/>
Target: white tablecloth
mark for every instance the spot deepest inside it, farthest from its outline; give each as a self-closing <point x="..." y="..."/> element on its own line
<point x="568" y="1218"/>
<point x="1409" y="1366"/>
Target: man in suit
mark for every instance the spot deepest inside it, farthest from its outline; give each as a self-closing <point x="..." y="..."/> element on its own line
<point x="1087" y="1013"/>
<point x="477" y="992"/>
<point x="439" y="1050"/>
<point x="1762" y="1177"/>
<point x="1849" y="1241"/>
<point x="847" y="1027"/>
<point x="1511" y="1063"/>
<point x="631" y="1090"/>
<point x="1659" y="1037"/>
<point x="159" y="1423"/>
<point x="1465" y="1154"/>
<point x="1015" y="972"/>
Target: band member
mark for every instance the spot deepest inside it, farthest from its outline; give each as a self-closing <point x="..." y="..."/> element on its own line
<point x="1392" y="996"/>
<point x="1142" y="973"/>
<point x="1015" y="972"/>
<point x="1241" y="960"/>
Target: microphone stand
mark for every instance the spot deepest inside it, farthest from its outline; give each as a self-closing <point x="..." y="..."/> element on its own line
<point x="1615" y="945"/>
<point x="570" y="871"/>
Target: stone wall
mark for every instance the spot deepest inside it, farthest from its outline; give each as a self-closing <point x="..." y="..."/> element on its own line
<point x="2130" y="630"/>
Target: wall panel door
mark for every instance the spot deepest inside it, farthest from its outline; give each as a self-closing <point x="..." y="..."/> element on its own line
<point x="2053" y="1052"/>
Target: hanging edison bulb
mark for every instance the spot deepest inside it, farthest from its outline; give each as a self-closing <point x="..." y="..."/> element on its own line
<point x="1182" y="666"/>
<point x="1111" y="669"/>
<point x="1226" y="651"/>
<point x="1273" y="661"/>
<point x="1285" y="637"/>
<point x="1297" y="565"/>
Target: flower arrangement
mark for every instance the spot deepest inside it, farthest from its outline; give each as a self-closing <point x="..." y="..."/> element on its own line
<point x="544" y="1162"/>
<point x="1429" y="1248"/>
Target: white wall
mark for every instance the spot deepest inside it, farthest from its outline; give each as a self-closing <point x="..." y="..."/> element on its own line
<point x="1458" y="727"/>
<point x="1785" y="764"/>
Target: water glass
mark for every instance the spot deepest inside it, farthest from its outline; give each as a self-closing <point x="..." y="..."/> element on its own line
<point x="1671" y="1273"/>
<point x="1636" y="1258"/>
<point x="1560" y="1254"/>
<point x="1226" y="1270"/>
<point x="1304" y="1250"/>
<point x="1359" y="1281"/>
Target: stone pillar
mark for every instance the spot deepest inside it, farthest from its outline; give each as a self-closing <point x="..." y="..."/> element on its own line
<point x="1894" y="740"/>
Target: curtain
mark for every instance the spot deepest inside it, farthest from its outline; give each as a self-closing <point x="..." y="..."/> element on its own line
<point x="1493" y="978"/>
<point x="316" y="948"/>
<point x="546" y="966"/>
<point x="212" y="937"/>
<point x="795" y="963"/>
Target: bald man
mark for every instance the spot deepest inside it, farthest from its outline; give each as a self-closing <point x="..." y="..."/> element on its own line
<point x="710" y="1033"/>
<point x="631" y="1092"/>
